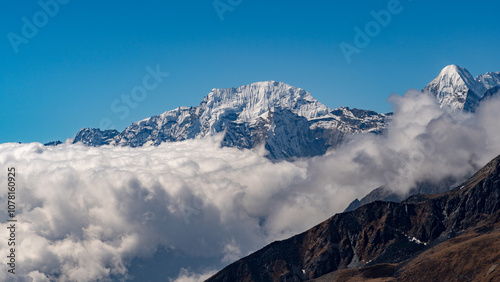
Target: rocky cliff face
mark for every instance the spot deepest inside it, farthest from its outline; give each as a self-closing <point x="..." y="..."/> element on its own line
<point x="380" y="234"/>
<point x="95" y="136"/>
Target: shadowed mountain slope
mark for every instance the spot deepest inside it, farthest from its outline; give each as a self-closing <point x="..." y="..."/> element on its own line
<point x="386" y="236"/>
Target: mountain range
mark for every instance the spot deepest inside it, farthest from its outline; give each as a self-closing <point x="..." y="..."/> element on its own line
<point x="289" y="123"/>
<point x="286" y="120"/>
<point x="453" y="236"/>
<point x="384" y="236"/>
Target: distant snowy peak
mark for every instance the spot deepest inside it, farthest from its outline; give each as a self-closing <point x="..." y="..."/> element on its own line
<point x="456" y="88"/>
<point x="458" y="74"/>
<point x="489" y="79"/>
<point x="251" y="101"/>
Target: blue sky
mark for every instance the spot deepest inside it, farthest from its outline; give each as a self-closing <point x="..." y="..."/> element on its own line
<point x="87" y="54"/>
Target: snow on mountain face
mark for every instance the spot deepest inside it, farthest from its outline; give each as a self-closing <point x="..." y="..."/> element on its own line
<point x="287" y="120"/>
<point x="284" y="119"/>
<point x="455" y="87"/>
<point x="489" y="79"/>
<point x="244" y="104"/>
<point x="251" y="101"/>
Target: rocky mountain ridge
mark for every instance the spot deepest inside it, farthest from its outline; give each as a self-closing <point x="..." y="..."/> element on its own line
<point x="385" y="237"/>
<point x="287" y="120"/>
<point x="284" y="119"/>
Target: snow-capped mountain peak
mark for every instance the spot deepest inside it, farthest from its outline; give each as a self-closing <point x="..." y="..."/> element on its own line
<point x="456" y="77"/>
<point x="456" y="88"/>
<point x="454" y="70"/>
<point x="252" y="100"/>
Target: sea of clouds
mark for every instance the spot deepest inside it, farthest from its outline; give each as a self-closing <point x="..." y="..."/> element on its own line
<point x="87" y="213"/>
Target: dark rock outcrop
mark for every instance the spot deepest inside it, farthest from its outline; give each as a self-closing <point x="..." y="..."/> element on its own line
<point x="383" y="193"/>
<point x="95" y="136"/>
<point x="53" y="143"/>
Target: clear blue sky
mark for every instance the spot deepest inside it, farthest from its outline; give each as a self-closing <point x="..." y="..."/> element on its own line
<point x="89" y="53"/>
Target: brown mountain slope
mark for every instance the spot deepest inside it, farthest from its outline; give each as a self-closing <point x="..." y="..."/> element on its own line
<point x="382" y="233"/>
<point x="473" y="256"/>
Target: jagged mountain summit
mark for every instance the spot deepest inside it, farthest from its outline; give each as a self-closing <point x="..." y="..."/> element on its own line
<point x="455" y="87"/>
<point x="445" y="237"/>
<point x="287" y="120"/>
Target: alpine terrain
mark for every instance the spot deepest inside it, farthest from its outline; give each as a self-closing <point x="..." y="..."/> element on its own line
<point x="384" y="235"/>
<point x="454" y="236"/>
<point x="284" y="119"/>
<point x="456" y="89"/>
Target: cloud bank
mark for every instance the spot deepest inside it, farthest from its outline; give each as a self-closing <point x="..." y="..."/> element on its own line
<point x="86" y="213"/>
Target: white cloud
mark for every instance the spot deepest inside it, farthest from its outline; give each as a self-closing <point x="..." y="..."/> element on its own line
<point x="187" y="276"/>
<point x="84" y="213"/>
